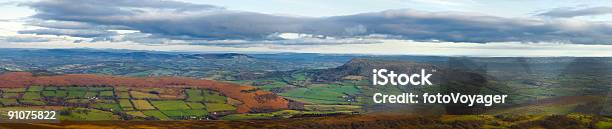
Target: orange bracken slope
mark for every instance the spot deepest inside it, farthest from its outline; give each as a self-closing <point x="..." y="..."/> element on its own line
<point x="252" y="99"/>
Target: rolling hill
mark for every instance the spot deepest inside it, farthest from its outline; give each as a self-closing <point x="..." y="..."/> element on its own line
<point x="252" y="99"/>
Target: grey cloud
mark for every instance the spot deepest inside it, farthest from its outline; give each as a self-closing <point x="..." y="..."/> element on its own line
<point x="70" y="32"/>
<point x="570" y="12"/>
<point x="72" y="25"/>
<point x="51" y="8"/>
<point x="290" y="42"/>
<point x="138" y="38"/>
<point x="78" y="41"/>
<point x="452" y="27"/>
<point x="207" y="22"/>
<point x="161" y="39"/>
<point x="26" y="39"/>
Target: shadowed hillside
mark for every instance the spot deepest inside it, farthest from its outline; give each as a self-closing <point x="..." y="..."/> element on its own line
<point x="363" y="67"/>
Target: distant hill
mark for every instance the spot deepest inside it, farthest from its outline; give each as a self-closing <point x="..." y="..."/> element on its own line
<point x="216" y="56"/>
<point x="457" y="80"/>
<point x="363" y="67"/>
<point x="218" y="66"/>
<point x="139" y="54"/>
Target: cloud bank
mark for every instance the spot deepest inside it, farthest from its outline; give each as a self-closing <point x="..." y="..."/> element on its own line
<point x="24" y="39"/>
<point x="209" y="24"/>
<point x="570" y="12"/>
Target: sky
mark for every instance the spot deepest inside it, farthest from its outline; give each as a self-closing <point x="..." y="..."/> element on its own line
<point x="515" y="28"/>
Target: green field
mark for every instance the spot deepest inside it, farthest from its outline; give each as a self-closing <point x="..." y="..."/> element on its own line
<point x="123" y="95"/>
<point x="213" y="97"/>
<point x="5" y="101"/>
<point x="32" y="102"/>
<point x="136" y="114"/>
<point x="323" y="94"/>
<point x="143" y="95"/>
<point x="174" y="113"/>
<point x="274" y="84"/>
<point x="104" y="101"/>
<point x="157" y="114"/>
<point x="35" y="88"/>
<point x="87" y="114"/>
<point x="90" y="94"/>
<point x="31" y="95"/>
<point x="108" y="106"/>
<point x="195" y="112"/>
<point x="61" y="93"/>
<point x="76" y="93"/>
<point x="185" y="113"/>
<point x="51" y="88"/>
<point x="195" y="105"/>
<point x="215" y="107"/>
<point x="170" y="105"/>
<point x="122" y="88"/>
<point x="47" y="93"/>
<point x="107" y="94"/>
<point x="265" y="84"/>
<point x="150" y="90"/>
<point x="100" y="89"/>
<point x="76" y="88"/>
<point x="78" y="101"/>
<point x="125" y="103"/>
<point x="142" y="104"/>
<point x="10" y="95"/>
<point x="194" y="95"/>
<point x="13" y="89"/>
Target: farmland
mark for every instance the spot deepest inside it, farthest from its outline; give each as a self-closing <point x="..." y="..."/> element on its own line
<point x="100" y="102"/>
<point x="305" y="90"/>
<point x="142" y="105"/>
<point x="213" y="93"/>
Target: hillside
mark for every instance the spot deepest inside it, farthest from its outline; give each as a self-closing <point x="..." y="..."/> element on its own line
<point x="216" y="56"/>
<point x="363" y="67"/>
<point x="461" y="77"/>
<point x="252" y="99"/>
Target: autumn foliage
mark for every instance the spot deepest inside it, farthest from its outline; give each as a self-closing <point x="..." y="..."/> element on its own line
<point x="251" y="98"/>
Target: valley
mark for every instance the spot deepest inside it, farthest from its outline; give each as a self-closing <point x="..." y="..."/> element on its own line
<point x="141" y="87"/>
